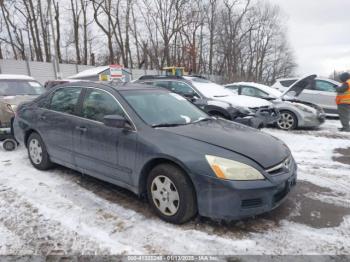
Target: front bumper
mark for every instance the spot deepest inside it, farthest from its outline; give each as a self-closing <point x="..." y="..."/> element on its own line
<point x="234" y="200"/>
<point x="269" y="115"/>
<point x="313" y="120"/>
<point x="251" y="121"/>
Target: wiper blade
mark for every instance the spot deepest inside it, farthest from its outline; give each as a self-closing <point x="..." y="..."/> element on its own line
<point x="167" y="125"/>
<point x="202" y="120"/>
<point x="222" y="96"/>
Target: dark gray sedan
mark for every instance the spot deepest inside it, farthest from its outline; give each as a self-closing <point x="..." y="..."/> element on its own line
<point x="157" y="144"/>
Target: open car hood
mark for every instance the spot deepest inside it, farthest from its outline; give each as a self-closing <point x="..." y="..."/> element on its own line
<point x="299" y="86"/>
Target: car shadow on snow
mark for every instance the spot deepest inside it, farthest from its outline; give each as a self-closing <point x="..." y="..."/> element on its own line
<point x="299" y="207"/>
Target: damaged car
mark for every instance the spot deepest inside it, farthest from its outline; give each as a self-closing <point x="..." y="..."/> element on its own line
<point x="216" y="101"/>
<point x="294" y="112"/>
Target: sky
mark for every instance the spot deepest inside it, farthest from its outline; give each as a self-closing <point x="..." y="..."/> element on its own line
<point x="319" y="33"/>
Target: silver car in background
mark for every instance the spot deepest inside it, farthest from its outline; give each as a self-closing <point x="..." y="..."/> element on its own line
<point x="320" y="92"/>
<point x="294" y="113"/>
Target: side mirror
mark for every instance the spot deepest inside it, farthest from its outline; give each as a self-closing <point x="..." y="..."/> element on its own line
<point x="190" y="96"/>
<point x="116" y="121"/>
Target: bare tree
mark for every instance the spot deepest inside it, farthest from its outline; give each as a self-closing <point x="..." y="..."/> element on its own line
<point x="58" y="30"/>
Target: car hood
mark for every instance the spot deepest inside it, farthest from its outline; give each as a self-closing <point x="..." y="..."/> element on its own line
<point x="16" y="100"/>
<point x="262" y="148"/>
<point x="245" y="101"/>
<point x="299" y="86"/>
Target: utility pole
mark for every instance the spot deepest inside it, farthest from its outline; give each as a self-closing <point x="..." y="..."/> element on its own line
<point x="54" y="60"/>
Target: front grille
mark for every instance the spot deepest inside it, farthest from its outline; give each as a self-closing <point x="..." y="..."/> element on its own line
<point x="267" y="112"/>
<point x="281" y="168"/>
<point x="250" y="203"/>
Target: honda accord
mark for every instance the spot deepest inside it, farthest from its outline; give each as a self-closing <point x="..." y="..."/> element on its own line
<point x="158" y="145"/>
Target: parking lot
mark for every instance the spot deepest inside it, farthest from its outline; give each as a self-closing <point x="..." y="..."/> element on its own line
<point x="59" y="212"/>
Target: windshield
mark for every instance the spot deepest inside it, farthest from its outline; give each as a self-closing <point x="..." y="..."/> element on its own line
<point x="163" y="108"/>
<point x="272" y="91"/>
<point x="20" y="87"/>
<point x="210" y="89"/>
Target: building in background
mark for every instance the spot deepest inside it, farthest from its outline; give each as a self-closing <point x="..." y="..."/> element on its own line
<point x="105" y="73"/>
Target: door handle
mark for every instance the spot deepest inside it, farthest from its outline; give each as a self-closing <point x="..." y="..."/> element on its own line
<point x="81" y="129"/>
<point x="42" y="117"/>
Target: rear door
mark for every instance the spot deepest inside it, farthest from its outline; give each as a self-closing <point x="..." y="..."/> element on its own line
<point x="105" y="152"/>
<point x="56" y="124"/>
<point x="322" y="93"/>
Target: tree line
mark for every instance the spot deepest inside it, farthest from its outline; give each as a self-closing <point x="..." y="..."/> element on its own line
<point x="237" y="39"/>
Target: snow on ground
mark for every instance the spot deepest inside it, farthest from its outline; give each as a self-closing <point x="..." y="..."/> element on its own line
<point x="58" y="212"/>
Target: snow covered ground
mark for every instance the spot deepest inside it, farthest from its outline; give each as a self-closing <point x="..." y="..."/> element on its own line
<point x="57" y="212"/>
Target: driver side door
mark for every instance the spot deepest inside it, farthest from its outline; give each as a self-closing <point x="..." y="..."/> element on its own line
<point x="103" y="151"/>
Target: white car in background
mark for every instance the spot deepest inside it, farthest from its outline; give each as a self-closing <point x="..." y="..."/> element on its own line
<point x="294" y="113"/>
<point x="320" y="92"/>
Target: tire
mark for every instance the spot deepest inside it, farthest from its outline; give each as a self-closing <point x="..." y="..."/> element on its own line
<point x="37" y="152"/>
<point x="163" y="183"/>
<point x="9" y="145"/>
<point x="288" y="120"/>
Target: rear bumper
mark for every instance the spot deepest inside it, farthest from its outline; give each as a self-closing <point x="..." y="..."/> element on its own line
<point x="234" y="200"/>
<point x="5" y="133"/>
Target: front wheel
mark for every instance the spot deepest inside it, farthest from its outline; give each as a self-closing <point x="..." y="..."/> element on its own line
<point x="37" y="152"/>
<point x="171" y="194"/>
<point x="287" y="121"/>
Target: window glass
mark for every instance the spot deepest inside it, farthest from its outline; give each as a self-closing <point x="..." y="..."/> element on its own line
<point x="251" y="91"/>
<point x="324" y="86"/>
<point x="158" y="107"/>
<point x="98" y="104"/>
<point x="65" y="99"/>
<point x="234" y="89"/>
<point x="164" y="84"/>
<point x="181" y="88"/>
<point x="20" y="87"/>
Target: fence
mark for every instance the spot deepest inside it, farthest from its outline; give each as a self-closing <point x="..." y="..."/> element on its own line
<point x="43" y="71"/>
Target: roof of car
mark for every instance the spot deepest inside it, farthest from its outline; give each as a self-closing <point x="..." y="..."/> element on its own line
<point x="317" y="78"/>
<point x="262" y="87"/>
<point x="153" y="77"/>
<point x="15" y="77"/>
<point x="116" y="86"/>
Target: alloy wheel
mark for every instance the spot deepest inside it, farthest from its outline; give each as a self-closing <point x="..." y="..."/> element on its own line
<point x="35" y="151"/>
<point x="286" y="121"/>
<point x="165" y="195"/>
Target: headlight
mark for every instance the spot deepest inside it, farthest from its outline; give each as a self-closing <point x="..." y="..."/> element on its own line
<point x="305" y="108"/>
<point x="232" y="170"/>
